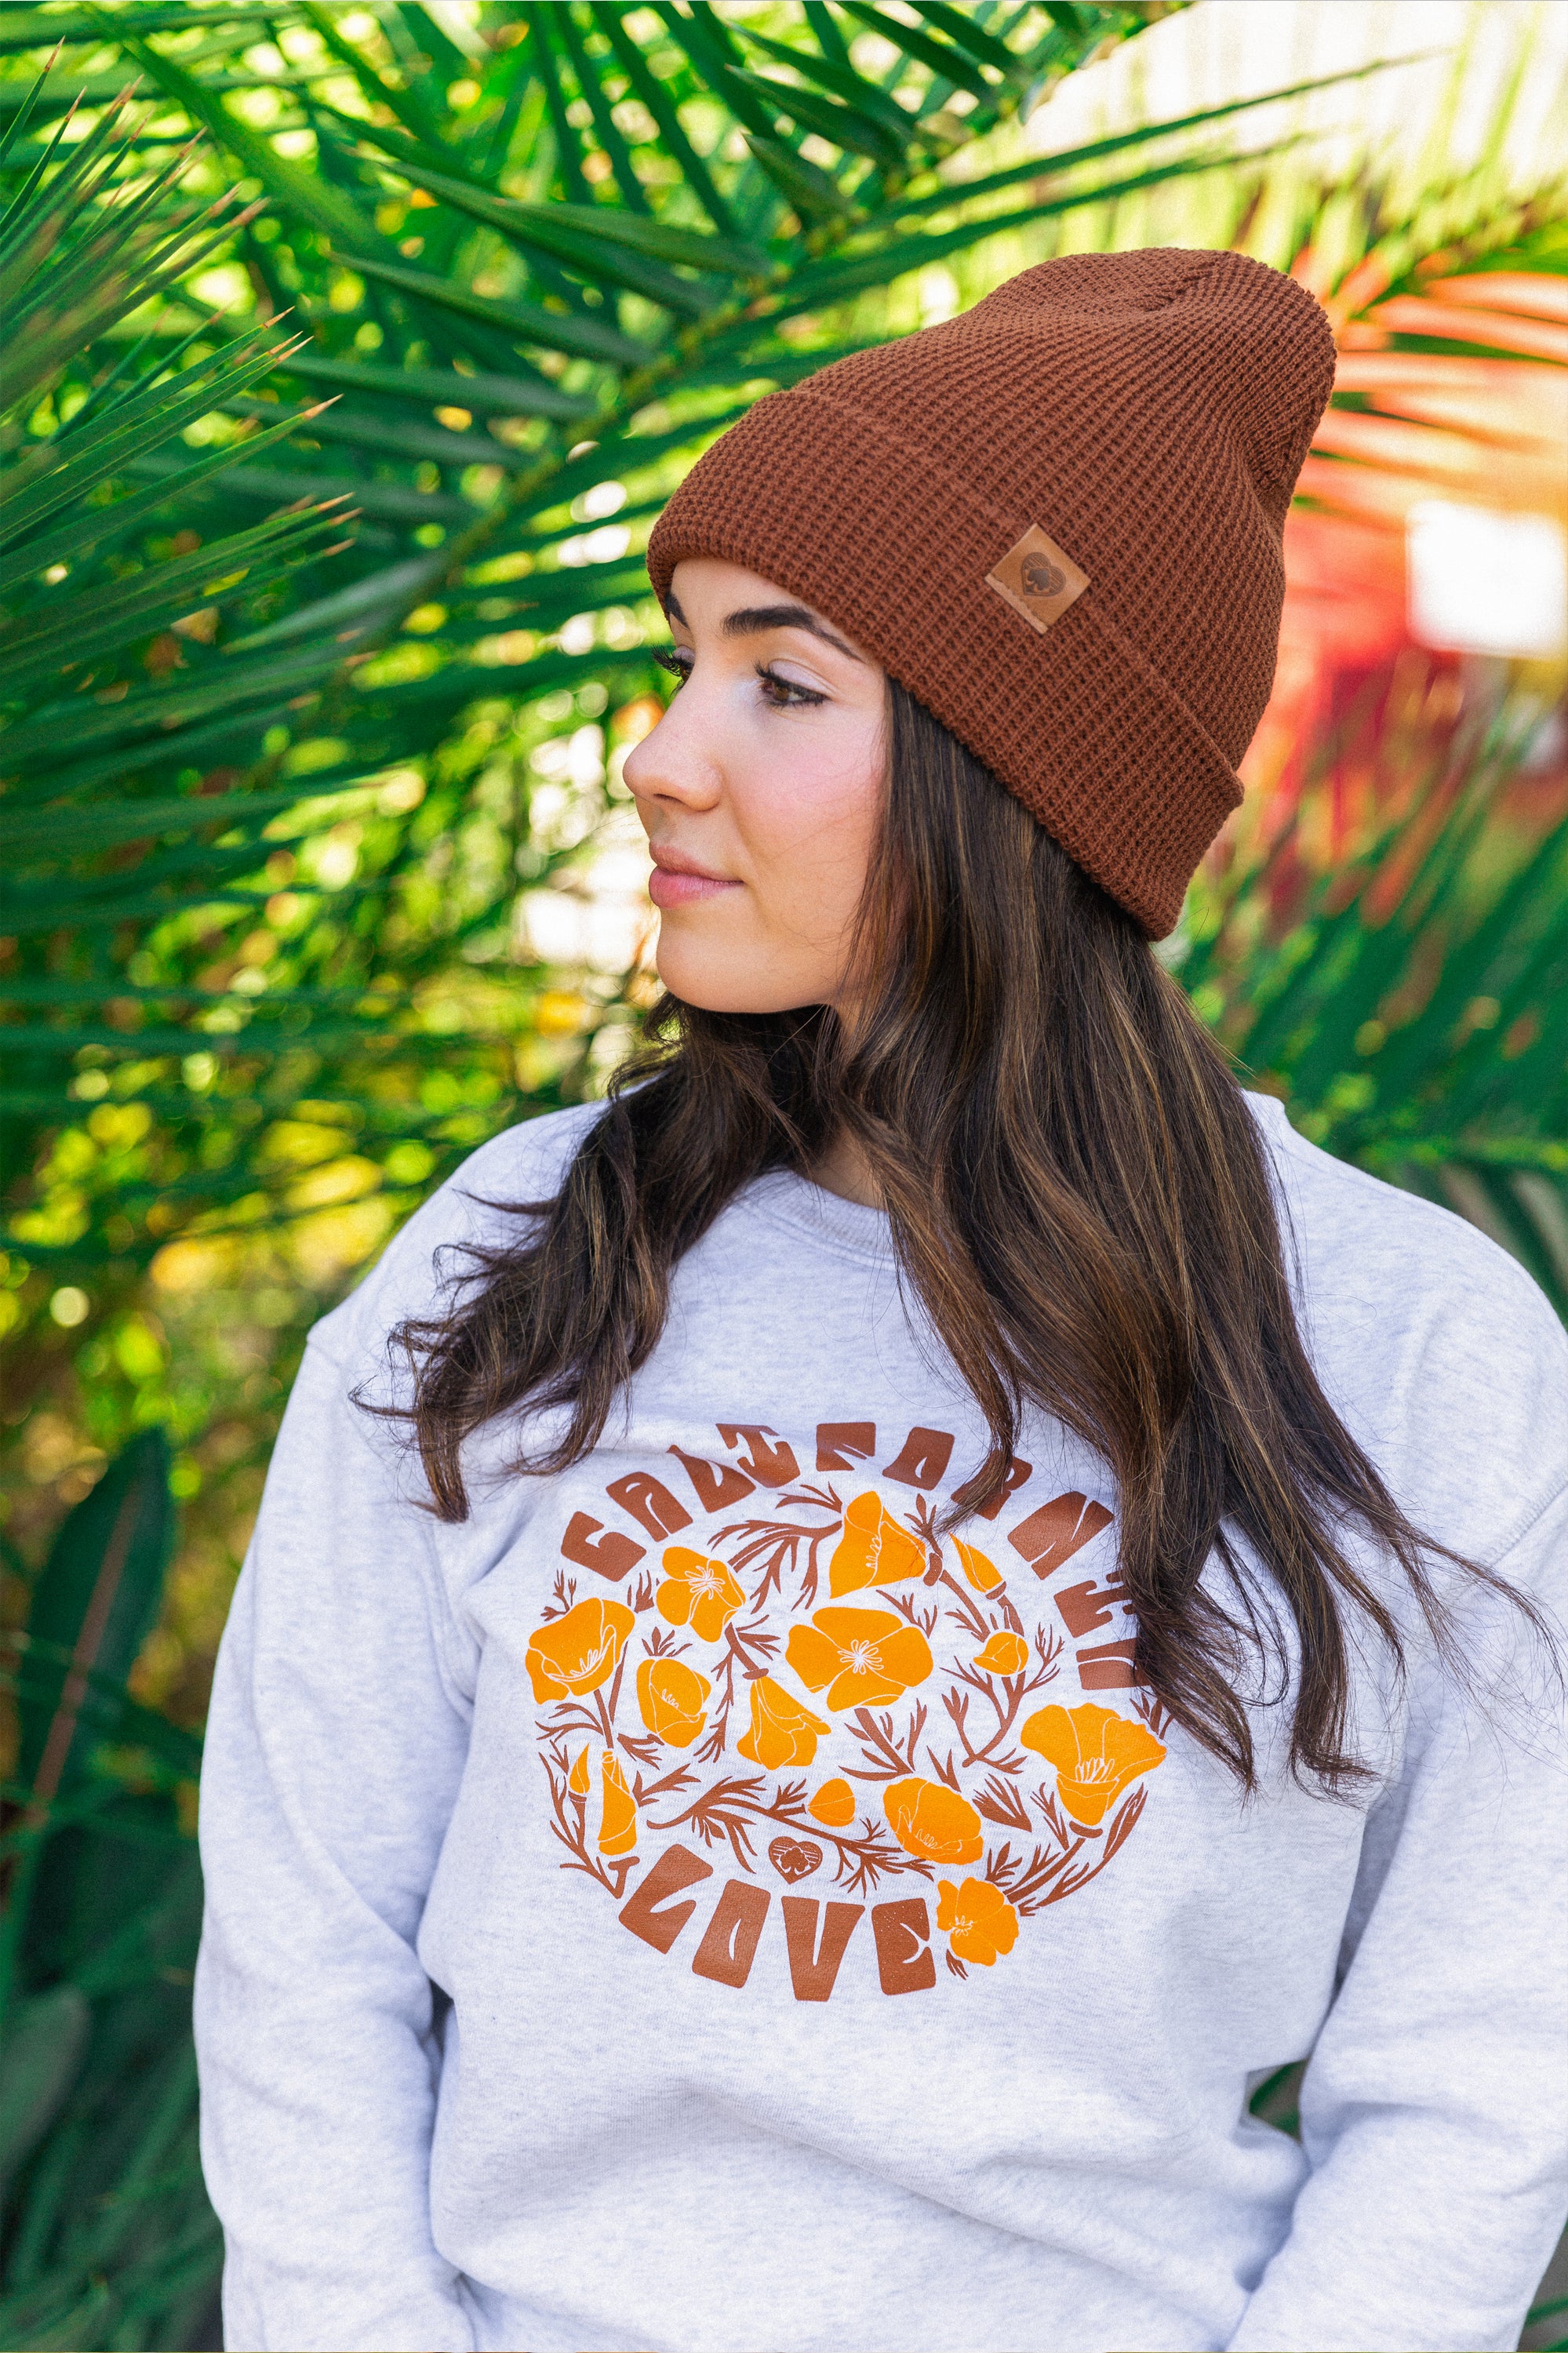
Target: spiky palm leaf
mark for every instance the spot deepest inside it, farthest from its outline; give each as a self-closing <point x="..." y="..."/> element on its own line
<point x="1413" y="1009"/>
<point x="557" y="263"/>
<point x="1410" y="1006"/>
<point x="1402" y="1035"/>
<point x="181" y="668"/>
<point x="636" y="220"/>
<point x="109" y="2238"/>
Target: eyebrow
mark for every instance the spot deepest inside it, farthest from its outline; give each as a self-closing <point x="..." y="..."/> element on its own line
<point x="752" y="621"/>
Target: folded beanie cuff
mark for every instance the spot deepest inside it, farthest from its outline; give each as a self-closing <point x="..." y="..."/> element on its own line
<point x="1067" y="720"/>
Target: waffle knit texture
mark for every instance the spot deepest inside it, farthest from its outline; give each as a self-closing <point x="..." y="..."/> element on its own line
<point x="1149" y="413"/>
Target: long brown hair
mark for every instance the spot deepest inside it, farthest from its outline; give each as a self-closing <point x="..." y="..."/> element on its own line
<point x="1078" y="1197"/>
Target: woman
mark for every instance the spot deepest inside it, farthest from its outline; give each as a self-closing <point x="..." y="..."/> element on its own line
<point x="841" y="1652"/>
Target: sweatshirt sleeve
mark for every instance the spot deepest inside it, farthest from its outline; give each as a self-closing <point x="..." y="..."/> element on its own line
<point x="1433" y="2107"/>
<point x="336" y="1742"/>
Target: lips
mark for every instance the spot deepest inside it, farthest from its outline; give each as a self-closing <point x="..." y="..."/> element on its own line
<point x="678" y="881"/>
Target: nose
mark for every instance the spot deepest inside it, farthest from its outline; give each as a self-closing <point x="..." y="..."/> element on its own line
<point x="676" y="762"/>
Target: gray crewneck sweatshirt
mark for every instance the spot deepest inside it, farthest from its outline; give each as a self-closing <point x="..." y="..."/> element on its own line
<point x="690" y="1904"/>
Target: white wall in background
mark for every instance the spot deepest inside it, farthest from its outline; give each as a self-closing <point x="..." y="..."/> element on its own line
<point x="1459" y="62"/>
<point x="1481" y="583"/>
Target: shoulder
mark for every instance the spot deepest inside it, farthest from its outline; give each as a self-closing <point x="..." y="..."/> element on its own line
<point x="1441" y="1354"/>
<point x="480" y="1206"/>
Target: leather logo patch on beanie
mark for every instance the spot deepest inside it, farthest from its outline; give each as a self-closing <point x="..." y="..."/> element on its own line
<point x="1038" y="579"/>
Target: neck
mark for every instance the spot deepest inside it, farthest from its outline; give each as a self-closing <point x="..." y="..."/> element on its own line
<point x="844" y="1169"/>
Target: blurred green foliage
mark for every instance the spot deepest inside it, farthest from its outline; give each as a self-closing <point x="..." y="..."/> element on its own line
<point x="303" y="711"/>
<point x="1405" y="991"/>
<point x="309" y="728"/>
<point x="109" y="2237"/>
<point x="285" y="793"/>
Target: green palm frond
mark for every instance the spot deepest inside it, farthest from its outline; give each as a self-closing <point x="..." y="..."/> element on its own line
<point x="268" y="811"/>
<point x="106" y="588"/>
<point x="1411" y="1006"/>
<point x="569" y="258"/>
<point x="523" y="278"/>
<point x="109" y="2236"/>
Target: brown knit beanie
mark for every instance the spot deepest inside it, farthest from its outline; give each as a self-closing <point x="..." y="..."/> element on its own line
<point x="1055" y="521"/>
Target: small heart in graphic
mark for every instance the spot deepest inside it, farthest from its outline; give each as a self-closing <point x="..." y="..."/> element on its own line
<point x="1041" y="577"/>
<point x="794" y="1859"/>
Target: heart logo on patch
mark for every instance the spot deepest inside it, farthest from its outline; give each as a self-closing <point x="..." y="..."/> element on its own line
<point x="794" y="1859"/>
<point x="1041" y="577"/>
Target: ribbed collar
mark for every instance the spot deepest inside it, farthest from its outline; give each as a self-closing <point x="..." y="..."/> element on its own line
<point x="854" y="1232"/>
<point x="821" y="1217"/>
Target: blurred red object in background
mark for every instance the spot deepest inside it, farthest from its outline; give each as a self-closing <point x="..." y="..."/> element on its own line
<point x="1422" y="450"/>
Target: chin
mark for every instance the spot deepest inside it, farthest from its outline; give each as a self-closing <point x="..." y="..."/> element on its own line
<point x="720" y="985"/>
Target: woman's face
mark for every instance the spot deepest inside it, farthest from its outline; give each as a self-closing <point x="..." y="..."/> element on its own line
<point x="761" y="790"/>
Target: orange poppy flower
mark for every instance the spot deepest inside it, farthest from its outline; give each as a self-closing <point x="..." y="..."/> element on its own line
<point x="618" y="1823"/>
<point x="577" y="1778"/>
<point x="1096" y="1752"/>
<point x="928" y="1819"/>
<point x="981" y="1920"/>
<point x="782" y="1731"/>
<point x="862" y="1658"/>
<point x="834" y="1804"/>
<point x="1006" y="1654"/>
<point x="873" y="1549"/>
<point x="671" y="1698"/>
<point x="982" y="1571"/>
<point x="698" y="1592"/>
<point x="576" y="1653"/>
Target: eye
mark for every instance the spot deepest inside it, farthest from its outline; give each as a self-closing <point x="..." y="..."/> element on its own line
<point x="677" y="660"/>
<point x="783" y="694"/>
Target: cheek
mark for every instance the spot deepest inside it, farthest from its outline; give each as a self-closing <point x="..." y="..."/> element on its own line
<point x="807" y="812"/>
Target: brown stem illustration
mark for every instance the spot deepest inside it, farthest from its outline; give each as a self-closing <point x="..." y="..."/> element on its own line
<point x="1115" y="1837"/>
<point x="668" y="1784"/>
<point x="969" y="1612"/>
<point x="570" y="1826"/>
<point x="1001" y="1803"/>
<point x="922" y="1523"/>
<point x="908" y="1609"/>
<point x="1154" y="1712"/>
<point x="607" y="1707"/>
<point x="1006" y="1695"/>
<point x="886" y="1760"/>
<point x="563" y="1595"/>
<point x="1047" y="1877"/>
<point x="749" y="1649"/>
<point x="569" y="1716"/>
<point x="734" y="1808"/>
<point x="778" y="1545"/>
